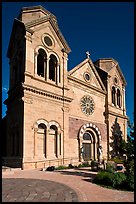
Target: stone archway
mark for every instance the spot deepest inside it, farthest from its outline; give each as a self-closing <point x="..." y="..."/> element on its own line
<point x="89" y="142"/>
<point x="41" y="128"/>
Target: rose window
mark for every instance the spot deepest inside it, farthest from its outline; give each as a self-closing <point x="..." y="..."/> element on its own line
<point x="87" y="105"/>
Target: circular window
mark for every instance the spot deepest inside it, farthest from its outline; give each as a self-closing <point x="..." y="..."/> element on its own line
<point x="48" y="41"/>
<point x="87" y="105"/>
<point x="87" y="76"/>
<point x="115" y="80"/>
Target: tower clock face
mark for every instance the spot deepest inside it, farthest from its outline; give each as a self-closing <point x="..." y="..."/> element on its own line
<point x="87" y="105"/>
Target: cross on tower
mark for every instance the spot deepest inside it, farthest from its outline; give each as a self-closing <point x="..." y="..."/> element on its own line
<point x="88" y="54"/>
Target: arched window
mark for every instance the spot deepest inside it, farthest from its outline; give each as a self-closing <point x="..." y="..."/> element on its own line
<point x="86" y="136"/>
<point x="113" y="95"/>
<point x="118" y="98"/>
<point x="59" y="74"/>
<point x="41" y="63"/>
<point x="53" y="128"/>
<point x="53" y="68"/>
<point x="42" y="130"/>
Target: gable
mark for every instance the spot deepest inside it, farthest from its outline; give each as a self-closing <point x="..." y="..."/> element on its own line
<point x="86" y="74"/>
<point x="110" y="66"/>
<point x="42" y="23"/>
<point x="43" y="30"/>
<point x="115" y="72"/>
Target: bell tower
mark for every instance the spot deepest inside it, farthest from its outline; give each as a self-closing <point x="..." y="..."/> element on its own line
<point x="38" y="55"/>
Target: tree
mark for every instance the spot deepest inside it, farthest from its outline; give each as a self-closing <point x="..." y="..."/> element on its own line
<point x="116" y="140"/>
<point x="130" y="141"/>
<point x="119" y="145"/>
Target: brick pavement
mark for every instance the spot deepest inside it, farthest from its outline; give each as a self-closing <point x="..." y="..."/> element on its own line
<point x="36" y="190"/>
<point x="71" y="185"/>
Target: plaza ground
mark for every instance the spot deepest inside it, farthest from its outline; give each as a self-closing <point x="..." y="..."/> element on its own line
<point x="69" y="185"/>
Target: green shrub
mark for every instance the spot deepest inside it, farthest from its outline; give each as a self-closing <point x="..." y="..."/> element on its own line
<point x="130" y="182"/>
<point x="62" y="167"/>
<point x="118" y="180"/>
<point x="117" y="160"/>
<point x="104" y="178"/>
<point x="115" y="180"/>
<point x="110" y="168"/>
<point x="85" y="164"/>
<point x="130" y="175"/>
<point x="80" y="165"/>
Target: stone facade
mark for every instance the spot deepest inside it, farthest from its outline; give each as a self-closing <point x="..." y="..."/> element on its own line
<point x="55" y="116"/>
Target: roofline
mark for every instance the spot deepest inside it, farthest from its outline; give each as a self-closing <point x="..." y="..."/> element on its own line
<point x="38" y="7"/>
<point x="118" y="67"/>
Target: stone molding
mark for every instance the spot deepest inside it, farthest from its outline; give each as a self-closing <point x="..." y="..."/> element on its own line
<point x="46" y="93"/>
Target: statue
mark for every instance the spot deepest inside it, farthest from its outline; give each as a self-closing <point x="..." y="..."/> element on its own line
<point x="100" y="153"/>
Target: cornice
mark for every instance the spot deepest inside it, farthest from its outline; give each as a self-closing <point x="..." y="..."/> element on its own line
<point x="37" y="21"/>
<point x="46" y="93"/>
<point x="117" y="114"/>
<point x="93" y="69"/>
<point x="53" y="24"/>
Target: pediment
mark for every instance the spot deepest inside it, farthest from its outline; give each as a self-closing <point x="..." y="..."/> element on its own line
<point x="111" y="67"/>
<point x="45" y="23"/>
<point x="86" y="73"/>
<point x="115" y="72"/>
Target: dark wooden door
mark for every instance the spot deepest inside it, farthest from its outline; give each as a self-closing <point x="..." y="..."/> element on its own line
<point x="86" y="151"/>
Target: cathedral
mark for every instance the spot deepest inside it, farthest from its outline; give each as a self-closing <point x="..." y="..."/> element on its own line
<point x="55" y="116"/>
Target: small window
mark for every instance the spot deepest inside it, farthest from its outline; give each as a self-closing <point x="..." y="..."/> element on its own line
<point x="41" y="126"/>
<point x="86" y="136"/>
<point x="118" y="98"/>
<point x="87" y="76"/>
<point x="53" y="68"/>
<point x="113" y="95"/>
<point x="48" y="41"/>
<point x="115" y="80"/>
<point x="41" y="63"/>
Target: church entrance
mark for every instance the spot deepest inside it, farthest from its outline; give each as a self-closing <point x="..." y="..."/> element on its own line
<point x="89" y="142"/>
<point x="89" y="146"/>
<point x="86" y="151"/>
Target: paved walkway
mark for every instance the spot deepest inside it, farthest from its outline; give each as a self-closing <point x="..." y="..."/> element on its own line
<point x="71" y="185"/>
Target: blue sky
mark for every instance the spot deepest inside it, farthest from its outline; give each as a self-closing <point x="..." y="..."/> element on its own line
<point x="105" y="29"/>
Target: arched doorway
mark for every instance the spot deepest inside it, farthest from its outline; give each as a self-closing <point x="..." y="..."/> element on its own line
<point x="89" y="146"/>
<point x="89" y="142"/>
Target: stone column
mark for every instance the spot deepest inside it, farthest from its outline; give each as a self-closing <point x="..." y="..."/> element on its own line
<point x="95" y="154"/>
<point x="124" y="105"/>
<point x="47" y="136"/>
<point x="35" y="142"/>
<point x="35" y="63"/>
<point x="92" y="149"/>
<point x="45" y="68"/>
<point x="81" y="153"/>
<point x="58" y="145"/>
<point x="47" y="71"/>
<point x="58" y="74"/>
